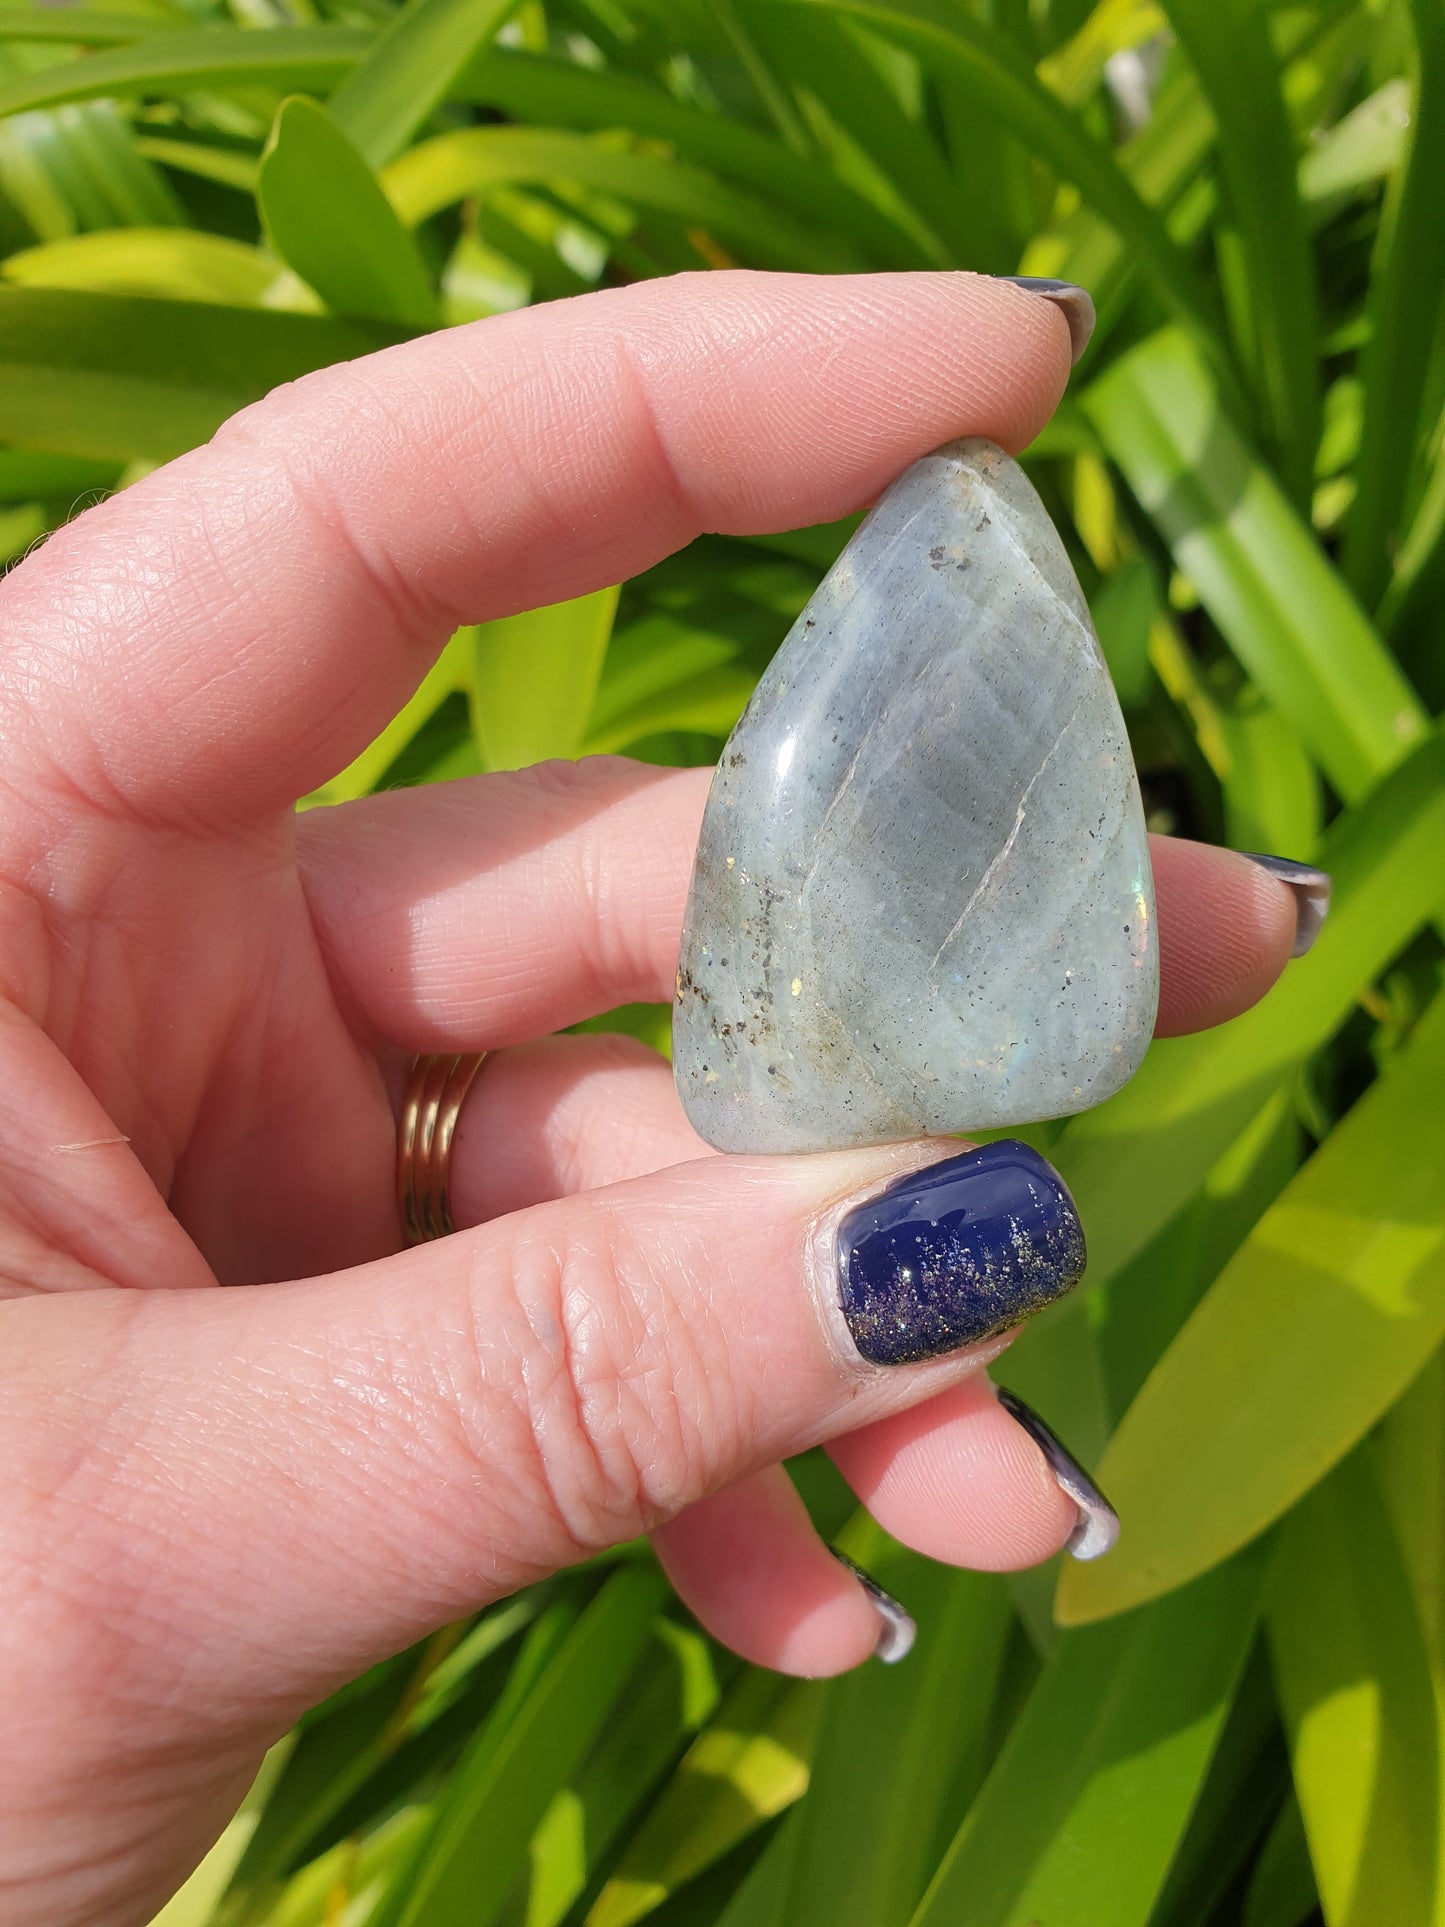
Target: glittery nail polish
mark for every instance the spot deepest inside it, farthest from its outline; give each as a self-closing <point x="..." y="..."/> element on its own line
<point x="956" y="1253"/>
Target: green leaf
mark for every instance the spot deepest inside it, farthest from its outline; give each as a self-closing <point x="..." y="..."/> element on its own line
<point x="1282" y="1887"/>
<point x="885" y="154"/>
<point x="531" y="88"/>
<point x="409" y="69"/>
<point x="177" y="264"/>
<point x="1410" y="1459"/>
<point x="79" y="168"/>
<point x="76" y="26"/>
<point x="24" y="476"/>
<point x="863" y="1848"/>
<point x="1360" y="1705"/>
<point x="749" y="1763"/>
<point x="1359" y="150"/>
<point x="328" y="219"/>
<point x="1134" y="1162"/>
<point x="455" y="166"/>
<point x="109" y="378"/>
<point x="207" y="57"/>
<point x="988" y="69"/>
<point x="1258" y="569"/>
<point x="224" y="164"/>
<point x="477" y="1842"/>
<point x="675" y="1692"/>
<point x="1229" y="45"/>
<point x="1329" y="1309"/>
<point x="1082" y="1813"/>
<point x="535" y="678"/>
<point x="1406" y="294"/>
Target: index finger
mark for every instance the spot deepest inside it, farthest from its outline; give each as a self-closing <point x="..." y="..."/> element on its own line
<point x="278" y="594"/>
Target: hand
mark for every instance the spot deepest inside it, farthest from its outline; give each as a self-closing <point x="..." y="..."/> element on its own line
<point x="219" y="1504"/>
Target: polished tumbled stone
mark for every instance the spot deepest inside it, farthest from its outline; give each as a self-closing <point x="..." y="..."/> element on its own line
<point x="922" y="899"/>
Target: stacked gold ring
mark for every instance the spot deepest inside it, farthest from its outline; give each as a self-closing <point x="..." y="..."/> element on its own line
<point x="435" y="1092"/>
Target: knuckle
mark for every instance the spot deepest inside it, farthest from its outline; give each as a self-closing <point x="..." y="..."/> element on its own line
<point x="627" y="1414"/>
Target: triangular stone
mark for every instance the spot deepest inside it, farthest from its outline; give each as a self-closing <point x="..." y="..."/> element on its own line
<point x="922" y="899"/>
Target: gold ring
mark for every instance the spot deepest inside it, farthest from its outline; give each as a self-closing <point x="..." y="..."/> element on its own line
<point x="435" y="1092"/>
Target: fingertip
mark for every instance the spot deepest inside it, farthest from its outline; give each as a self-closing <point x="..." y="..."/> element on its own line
<point x="750" y="1566"/>
<point x="959" y="1481"/>
<point x="1227" y="928"/>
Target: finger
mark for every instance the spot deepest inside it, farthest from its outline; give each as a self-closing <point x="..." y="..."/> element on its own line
<point x="1226" y="931"/>
<point x="563" y="1115"/>
<point x="957" y="1479"/>
<point x="280" y="592"/>
<point x="495" y="908"/>
<point x="489" y="910"/>
<point x="749" y="1563"/>
<point x="267" y="1490"/>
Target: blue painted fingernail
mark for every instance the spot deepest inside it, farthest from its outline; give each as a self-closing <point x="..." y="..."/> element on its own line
<point x="957" y="1253"/>
<point x="1098" y="1526"/>
<point x="1075" y="303"/>
<point x="897" y="1629"/>
<point x="1311" y="889"/>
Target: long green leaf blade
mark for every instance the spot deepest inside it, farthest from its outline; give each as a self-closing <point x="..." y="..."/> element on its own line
<point x="1405" y="303"/>
<point x="1229" y="45"/>
<point x="218" y="57"/>
<point x="477" y="1844"/>
<point x="330" y="222"/>
<point x="106" y="377"/>
<point x="1361" y="1706"/>
<point x="1257" y="567"/>
<point x="1332" y="1305"/>
<point x="409" y="70"/>
<point x="453" y="167"/>
<point x="1080" y="1817"/>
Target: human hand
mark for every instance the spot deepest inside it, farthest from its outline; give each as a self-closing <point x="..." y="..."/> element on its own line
<point x="219" y="1504"/>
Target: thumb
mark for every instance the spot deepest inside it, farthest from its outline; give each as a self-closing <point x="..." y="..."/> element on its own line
<point x="265" y="1490"/>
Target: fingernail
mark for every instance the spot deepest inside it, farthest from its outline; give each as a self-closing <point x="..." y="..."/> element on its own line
<point x="1098" y="1525"/>
<point x="956" y="1253"/>
<point x="1311" y="889"/>
<point x="896" y="1630"/>
<point x="1076" y="302"/>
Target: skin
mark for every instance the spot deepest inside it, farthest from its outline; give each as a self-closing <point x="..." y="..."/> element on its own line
<point x="220" y="1504"/>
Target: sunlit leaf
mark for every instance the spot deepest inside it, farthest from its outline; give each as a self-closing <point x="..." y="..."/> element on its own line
<point x="177" y="264"/>
<point x="409" y="69"/>
<point x="1256" y="566"/>
<point x="1360" y="1705"/>
<point x="284" y="57"/>
<point x="535" y="678"/>
<point x="1081" y="1815"/>
<point x="1332" y="1305"/>
<point x="107" y="377"/>
<point x="453" y="166"/>
<point x="477" y="1841"/>
<point x="329" y="221"/>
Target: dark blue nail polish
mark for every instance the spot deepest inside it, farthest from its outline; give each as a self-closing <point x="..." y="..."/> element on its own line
<point x="1311" y="889"/>
<point x="957" y="1253"/>
<point x="1098" y="1527"/>
<point x="1075" y="303"/>
<point x="897" y="1629"/>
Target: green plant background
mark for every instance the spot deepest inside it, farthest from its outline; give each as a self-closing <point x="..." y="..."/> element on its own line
<point x="1238" y="1716"/>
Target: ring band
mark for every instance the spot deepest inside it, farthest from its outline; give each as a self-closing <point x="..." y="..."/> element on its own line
<point x="435" y="1092"/>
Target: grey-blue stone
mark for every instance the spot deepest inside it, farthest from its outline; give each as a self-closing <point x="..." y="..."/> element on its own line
<point x="922" y="899"/>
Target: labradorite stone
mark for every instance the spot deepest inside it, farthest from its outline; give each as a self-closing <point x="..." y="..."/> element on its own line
<point x="922" y="899"/>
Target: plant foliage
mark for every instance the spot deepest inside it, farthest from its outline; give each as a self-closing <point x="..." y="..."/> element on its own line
<point x="1239" y="1717"/>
